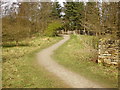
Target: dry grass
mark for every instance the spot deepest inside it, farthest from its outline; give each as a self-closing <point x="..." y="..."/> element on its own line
<point x="78" y="55"/>
<point x="20" y="69"/>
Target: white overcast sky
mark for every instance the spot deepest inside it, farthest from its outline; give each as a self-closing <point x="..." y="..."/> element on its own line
<point x="60" y="1"/>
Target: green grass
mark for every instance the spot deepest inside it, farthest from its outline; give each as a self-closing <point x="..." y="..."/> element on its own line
<point x="20" y="68"/>
<point x="76" y="55"/>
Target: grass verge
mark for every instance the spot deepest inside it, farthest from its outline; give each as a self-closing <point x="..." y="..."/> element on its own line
<point x="20" y="69"/>
<point x="76" y="55"/>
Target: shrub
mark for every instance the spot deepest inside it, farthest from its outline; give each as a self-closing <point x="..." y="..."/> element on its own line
<point x="52" y="28"/>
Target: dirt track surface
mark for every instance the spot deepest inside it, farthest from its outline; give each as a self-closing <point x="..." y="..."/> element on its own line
<point x="70" y="78"/>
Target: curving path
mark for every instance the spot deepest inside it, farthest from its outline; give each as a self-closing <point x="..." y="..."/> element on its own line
<point x="70" y="78"/>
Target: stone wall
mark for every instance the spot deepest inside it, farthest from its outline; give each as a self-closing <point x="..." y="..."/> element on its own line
<point x="108" y="51"/>
<point x="68" y="32"/>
